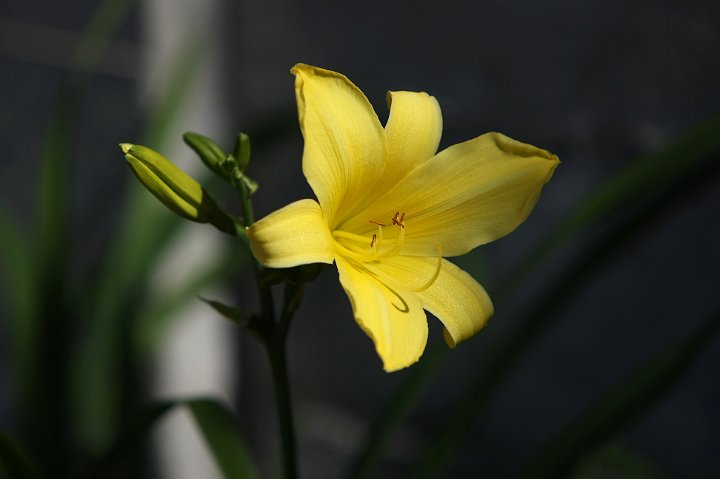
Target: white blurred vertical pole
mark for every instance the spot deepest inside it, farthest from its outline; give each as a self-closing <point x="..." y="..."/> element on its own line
<point x="195" y="357"/>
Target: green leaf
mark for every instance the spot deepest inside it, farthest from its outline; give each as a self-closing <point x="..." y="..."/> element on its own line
<point x="235" y="315"/>
<point x="220" y="430"/>
<point x="132" y="437"/>
<point x="634" y="395"/>
<point x="97" y="392"/>
<point x="216" y="424"/>
<point x="145" y="229"/>
<point x="17" y="264"/>
<point x="49" y="333"/>
<point x="106" y="20"/>
<point x="14" y="461"/>
<point x="156" y="317"/>
<point x="181" y="78"/>
<point x="616" y="459"/>
<point x="397" y="408"/>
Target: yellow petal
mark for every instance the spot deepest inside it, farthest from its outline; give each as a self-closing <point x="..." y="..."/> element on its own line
<point x="467" y="195"/>
<point x="460" y="302"/>
<point x="455" y="298"/>
<point x="413" y="133"/>
<point x="291" y="236"/>
<point x="393" y="319"/>
<point x="345" y="148"/>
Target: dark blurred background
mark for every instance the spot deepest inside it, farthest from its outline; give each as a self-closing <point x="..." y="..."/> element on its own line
<point x="598" y="83"/>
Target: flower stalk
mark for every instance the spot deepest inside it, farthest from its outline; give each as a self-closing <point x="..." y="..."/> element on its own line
<point x="273" y="334"/>
<point x="276" y="347"/>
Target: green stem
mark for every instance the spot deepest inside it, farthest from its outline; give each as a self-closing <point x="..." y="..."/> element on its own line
<point x="275" y="342"/>
<point x="248" y="214"/>
<point x="278" y="363"/>
<point x="266" y="301"/>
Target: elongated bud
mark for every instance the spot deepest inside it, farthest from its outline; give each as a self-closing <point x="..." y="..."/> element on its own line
<point x="241" y="152"/>
<point x="175" y="188"/>
<point x="209" y="152"/>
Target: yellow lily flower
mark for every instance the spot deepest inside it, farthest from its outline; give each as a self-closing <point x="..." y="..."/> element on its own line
<point x="389" y="208"/>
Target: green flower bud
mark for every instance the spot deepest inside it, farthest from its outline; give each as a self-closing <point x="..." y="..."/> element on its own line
<point x="241" y="152"/>
<point x="208" y="151"/>
<point x="174" y="188"/>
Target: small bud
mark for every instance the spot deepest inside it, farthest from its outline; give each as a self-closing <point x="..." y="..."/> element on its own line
<point x="241" y="152"/>
<point x="174" y="188"/>
<point x="208" y="151"/>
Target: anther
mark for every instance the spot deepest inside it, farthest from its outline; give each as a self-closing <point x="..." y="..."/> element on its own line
<point x="372" y="241"/>
<point x="398" y="219"/>
<point x="377" y="223"/>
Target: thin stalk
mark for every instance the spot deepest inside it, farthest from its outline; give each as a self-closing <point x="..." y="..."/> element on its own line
<point x="278" y="364"/>
<point x="248" y="214"/>
<point x="275" y="341"/>
<point x="266" y="301"/>
<point x="277" y="350"/>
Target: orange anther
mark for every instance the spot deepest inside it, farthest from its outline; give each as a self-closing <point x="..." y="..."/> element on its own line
<point x="377" y="223"/>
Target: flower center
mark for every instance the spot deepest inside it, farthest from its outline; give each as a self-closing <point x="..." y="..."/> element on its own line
<point x="354" y="247"/>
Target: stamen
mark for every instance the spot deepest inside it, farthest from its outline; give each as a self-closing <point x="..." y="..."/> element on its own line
<point x="353" y="250"/>
<point x="398" y="245"/>
<point x="435" y="275"/>
<point x="350" y="236"/>
<point x="356" y="255"/>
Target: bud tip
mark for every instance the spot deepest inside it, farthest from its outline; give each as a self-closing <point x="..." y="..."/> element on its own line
<point x="125" y="147"/>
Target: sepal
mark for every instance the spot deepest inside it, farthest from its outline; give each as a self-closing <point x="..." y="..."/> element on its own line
<point x="237" y="315"/>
